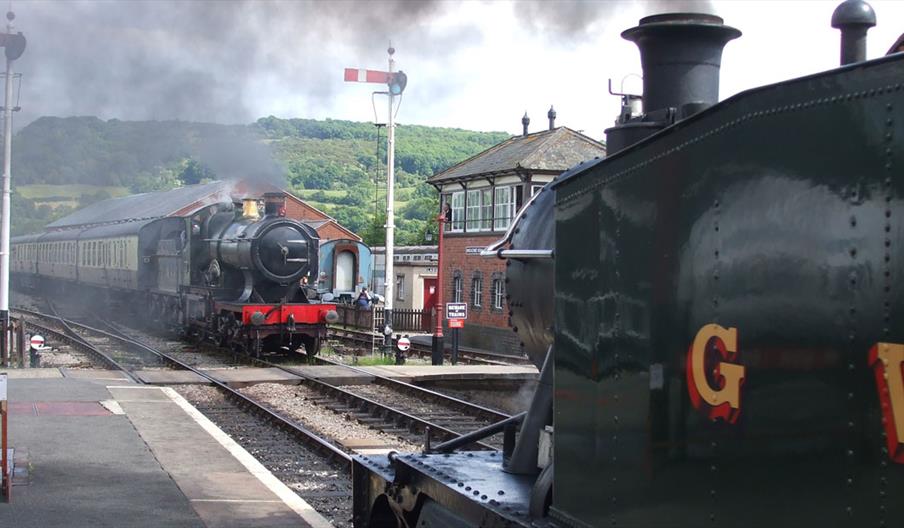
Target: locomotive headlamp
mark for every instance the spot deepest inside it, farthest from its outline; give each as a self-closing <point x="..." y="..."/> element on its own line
<point x="258" y="318"/>
<point x="331" y="316"/>
<point x="387" y="330"/>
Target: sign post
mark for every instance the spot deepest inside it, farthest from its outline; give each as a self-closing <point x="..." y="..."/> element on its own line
<point x="457" y="313"/>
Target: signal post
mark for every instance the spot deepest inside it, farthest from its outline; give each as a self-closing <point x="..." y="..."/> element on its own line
<point x="396" y="82"/>
<point x="13" y="47"/>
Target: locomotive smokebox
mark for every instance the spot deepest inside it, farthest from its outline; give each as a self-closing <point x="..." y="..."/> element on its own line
<point x="681" y="54"/>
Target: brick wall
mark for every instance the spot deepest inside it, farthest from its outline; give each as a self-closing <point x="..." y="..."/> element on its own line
<point x="330" y="231"/>
<point x="485" y="328"/>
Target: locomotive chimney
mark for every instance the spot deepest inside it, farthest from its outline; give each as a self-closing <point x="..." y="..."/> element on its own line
<point x="681" y="54"/>
<point x="552" y="117"/>
<point x="853" y="18"/>
<point x="525" y="121"/>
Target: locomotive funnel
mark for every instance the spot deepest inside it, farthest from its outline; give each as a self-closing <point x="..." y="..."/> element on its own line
<point x="681" y="54"/>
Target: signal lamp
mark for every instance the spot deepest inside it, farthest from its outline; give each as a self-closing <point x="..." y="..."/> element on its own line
<point x="397" y="82"/>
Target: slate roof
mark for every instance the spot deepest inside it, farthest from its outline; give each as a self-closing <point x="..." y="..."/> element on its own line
<point x="145" y="206"/>
<point x="550" y="150"/>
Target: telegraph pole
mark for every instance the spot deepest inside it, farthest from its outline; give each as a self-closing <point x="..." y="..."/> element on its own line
<point x="14" y="46"/>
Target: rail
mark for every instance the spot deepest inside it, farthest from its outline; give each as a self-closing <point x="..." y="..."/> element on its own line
<point x="306" y="436"/>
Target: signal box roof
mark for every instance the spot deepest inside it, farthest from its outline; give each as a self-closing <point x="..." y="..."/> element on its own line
<point x="549" y="151"/>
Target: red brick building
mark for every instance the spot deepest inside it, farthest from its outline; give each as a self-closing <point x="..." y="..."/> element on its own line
<point x="485" y="193"/>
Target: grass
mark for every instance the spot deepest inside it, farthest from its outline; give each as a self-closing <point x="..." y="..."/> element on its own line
<point x="73" y="191"/>
<point x="370" y="361"/>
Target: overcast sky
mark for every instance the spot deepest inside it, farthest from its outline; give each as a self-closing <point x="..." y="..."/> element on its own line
<point x="470" y="64"/>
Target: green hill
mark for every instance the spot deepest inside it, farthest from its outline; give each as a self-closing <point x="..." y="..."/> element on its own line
<point x="60" y="164"/>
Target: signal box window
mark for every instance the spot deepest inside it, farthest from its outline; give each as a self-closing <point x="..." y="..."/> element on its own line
<point x="504" y="207"/>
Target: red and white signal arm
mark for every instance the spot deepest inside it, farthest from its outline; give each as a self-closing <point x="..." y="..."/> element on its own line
<point x="404" y="344"/>
<point x="37" y="342"/>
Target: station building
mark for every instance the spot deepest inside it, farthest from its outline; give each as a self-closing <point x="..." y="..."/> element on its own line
<point x="414" y="268"/>
<point x="485" y="193"/>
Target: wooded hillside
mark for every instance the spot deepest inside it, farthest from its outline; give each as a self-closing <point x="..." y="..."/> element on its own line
<point x="63" y="163"/>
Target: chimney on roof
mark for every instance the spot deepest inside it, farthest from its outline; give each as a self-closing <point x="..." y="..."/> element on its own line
<point x="552" y="117"/>
<point x="524" y="122"/>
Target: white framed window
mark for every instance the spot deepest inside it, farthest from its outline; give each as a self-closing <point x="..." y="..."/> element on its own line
<point x="504" y="207"/>
<point x="458" y="211"/>
<point x="477" y="291"/>
<point x="400" y="287"/>
<point x="534" y="189"/>
<point x="472" y="214"/>
<point x="456" y="287"/>
<point x="498" y="293"/>
<point x="486" y="209"/>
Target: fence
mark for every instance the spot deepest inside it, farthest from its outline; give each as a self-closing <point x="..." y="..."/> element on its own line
<point x="373" y="318"/>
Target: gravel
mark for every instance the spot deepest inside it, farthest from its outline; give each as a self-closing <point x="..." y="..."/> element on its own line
<point x="296" y="401"/>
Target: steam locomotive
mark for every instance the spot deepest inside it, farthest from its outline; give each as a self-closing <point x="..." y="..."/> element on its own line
<point x="723" y="346"/>
<point x="219" y="272"/>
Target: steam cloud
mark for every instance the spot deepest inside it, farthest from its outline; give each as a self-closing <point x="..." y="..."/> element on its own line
<point x="208" y="61"/>
<point x="193" y="60"/>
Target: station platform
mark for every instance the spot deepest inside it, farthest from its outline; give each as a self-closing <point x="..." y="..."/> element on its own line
<point x="92" y="449"/>
<point x="337" y="375"/>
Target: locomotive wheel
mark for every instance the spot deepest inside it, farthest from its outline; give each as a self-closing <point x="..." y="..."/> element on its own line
<point x="311" y="346"/>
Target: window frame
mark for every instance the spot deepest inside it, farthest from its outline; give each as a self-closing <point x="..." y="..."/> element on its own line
<point x="456" y="286"/>
<point x="457" y="225"/>
<point x="503" y="211"/>
<point x="477" y="290"/>
<point x="400" y="287"/>
<point x="498" y="292"/>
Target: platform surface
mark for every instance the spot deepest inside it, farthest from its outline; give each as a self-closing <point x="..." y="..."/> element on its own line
<point x="419" y="373"/>
<point x="337" y="375"/>
<point x="132" y="456"/>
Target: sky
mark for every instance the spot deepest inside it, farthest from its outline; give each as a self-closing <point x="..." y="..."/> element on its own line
<point x="474" y="64"/>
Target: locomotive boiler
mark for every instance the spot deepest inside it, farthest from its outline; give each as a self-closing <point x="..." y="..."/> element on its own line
<point x="713" y="309"/>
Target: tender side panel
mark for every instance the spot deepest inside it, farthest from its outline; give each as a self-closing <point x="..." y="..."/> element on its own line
<point x="726" y="309"/>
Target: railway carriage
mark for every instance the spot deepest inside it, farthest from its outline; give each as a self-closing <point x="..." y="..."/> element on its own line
<point x="346" y="266"/>
<point x="226" y="273"/>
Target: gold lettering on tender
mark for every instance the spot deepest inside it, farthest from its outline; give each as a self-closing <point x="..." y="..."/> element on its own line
<point x="723" y="400"/>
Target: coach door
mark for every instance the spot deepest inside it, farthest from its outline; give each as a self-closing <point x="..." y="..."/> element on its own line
<point x="345" y="271"/>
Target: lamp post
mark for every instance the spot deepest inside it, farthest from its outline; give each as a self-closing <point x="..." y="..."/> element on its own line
<point x="436" y="355"/>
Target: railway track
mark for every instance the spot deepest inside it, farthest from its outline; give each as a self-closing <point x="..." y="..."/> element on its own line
<point x="408" y="412"/>
<point x="316" y="469"/>
<point x="411" y="413"/>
